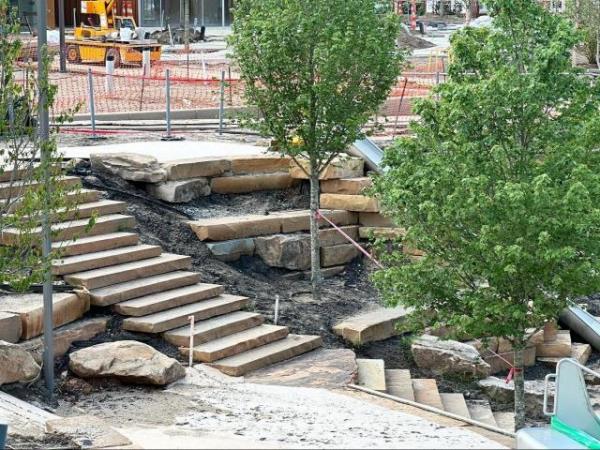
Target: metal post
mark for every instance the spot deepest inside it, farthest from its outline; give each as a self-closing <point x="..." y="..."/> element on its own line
<point x="276" y="315"/>
<point x="92" y="103"/>
<point x="74" y="17"/>
<point x="44" y="136"/>
<point x="110" y="70"/>
<point x="169" y="136"/>
<point x="61" y="28"/>
<point x="222" y="103"/>
<point x="223" y="13"/>
<point x="146" y="62"/>
<point x="230" y="86"/>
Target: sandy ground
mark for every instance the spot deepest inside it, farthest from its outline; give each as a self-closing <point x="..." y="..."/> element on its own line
<point x="210" y="410"/>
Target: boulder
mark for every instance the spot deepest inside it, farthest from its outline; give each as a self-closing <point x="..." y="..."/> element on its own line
<point x="128" y="361"/>
<point x="16" y="364"/>
<point x="181" y="191"/>
<point x="503" y="394"/>
<point x="81" y="330"/>
<point x="129" y="166"/>
<point x="449" y="357"/>
<point x="10" y="327"/>
<point x="288" y="251"/>
<point x="342" y="167"/>
<point x="232" y="250"/>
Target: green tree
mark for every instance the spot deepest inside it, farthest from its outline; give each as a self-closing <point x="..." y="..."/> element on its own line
<point x="315" y="71"/>
<point x="25" y="191"/>
<point x="500" y="186"/>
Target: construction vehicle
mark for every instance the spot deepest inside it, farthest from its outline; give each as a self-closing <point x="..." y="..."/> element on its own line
<point x="103" y="35"/>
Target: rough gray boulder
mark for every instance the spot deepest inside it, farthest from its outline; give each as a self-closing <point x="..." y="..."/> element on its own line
<point x="128" y="361"/>
<point x="288" y="251"/>
<point x="182" y="191"/>
<point x="446" y="357"/>
<point x="503" y="394"/>
<point x="16" y="364"/>
<point x="129" y="166"/>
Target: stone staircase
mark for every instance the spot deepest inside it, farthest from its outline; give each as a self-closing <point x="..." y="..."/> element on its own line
<point x="156" y="292"/>
<point x="399" y="383"/>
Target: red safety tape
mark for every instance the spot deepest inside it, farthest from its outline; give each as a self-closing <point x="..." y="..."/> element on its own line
<point x="356" y="244"/>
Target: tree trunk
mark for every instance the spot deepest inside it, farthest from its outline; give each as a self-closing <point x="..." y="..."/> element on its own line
<point x="315" y="245"/>
<point x="519" y="379"/>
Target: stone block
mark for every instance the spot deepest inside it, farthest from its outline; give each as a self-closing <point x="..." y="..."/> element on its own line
<point x="381" y="233"/>
<point x="10" y="327"/>
<point x="357" y="203"/>
<point x="332" y="236"/>
<point x="288" y="251"/>
<point x="369" y="219"/>
<point x="343" y="167"/>
<point x="579" y="352"/>
<point x="300" y="220"/>
<point x="559" y="347"/>
<point x="241" y="165"/>
<point x="338" y="255"/>
<point x="550" y="331"/>
<point x="243" y="184"/>
<point x="371" y="374"/>
<point x="371" y="326"/>
<point x="195" y="168"/>
<point x="181" y="191"/>
<point x="236" y="227"/>
<point x="129" y="166"/>
<point x="232" y="250"/>
<point x="66" y="309"/>
<point x="346" y="186"/>
<point x="499" y="363"/>
<point x="81" y="330"/>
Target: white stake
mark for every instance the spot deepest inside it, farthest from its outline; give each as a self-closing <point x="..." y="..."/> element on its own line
<point x="192" y="320"/>
<point x="276" y="318"/>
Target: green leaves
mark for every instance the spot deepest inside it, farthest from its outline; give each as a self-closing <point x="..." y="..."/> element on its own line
<point x="500" y="187"/>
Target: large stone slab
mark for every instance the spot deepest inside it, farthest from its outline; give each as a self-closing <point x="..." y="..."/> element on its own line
<point x="322" y="368"/>
<point x="128" y="361"/>
<point x="65" y="336"/>
<point x="376" y="325"/>
<point x="181" y="191"/>
<point x="232" y="250"/>
<point x="347" y="186"/>
<point x="447" y="357"/>
<point x="338" y="254"/>
<point x="503" y="394"/>
<point x="87" y="432"/>
<point x="579" y="352"/>
<point x="29" y="307"/>
<point x="129" y="166"/>
<point x="247" y="164"/>
<point x="10" y="326"/>
<point x="357" y="203"/>
<point x="243" y="184"/>
<point x="287" y="251"/>
<point x="300" y="220"/>
<point x="343" y="167"/>
<point x="24" y="419"/>
<point x="370" y="219"/>
<point x="16" y="364"/>
<point x="195" y="168"/>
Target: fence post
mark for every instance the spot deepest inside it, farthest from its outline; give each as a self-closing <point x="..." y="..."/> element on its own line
<point x="92" y="104"/>
<point x="110" y="70"/>
<point x="146" y="62"/>
<point x="222" y="102"/>
<point x="276" y="315"/>
<point x="230" y="86"/>
<point x="169" y="136"/>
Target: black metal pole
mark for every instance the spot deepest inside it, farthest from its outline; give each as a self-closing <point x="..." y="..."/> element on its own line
<point x="44" y="137"/>
<point x="61" y="27"/>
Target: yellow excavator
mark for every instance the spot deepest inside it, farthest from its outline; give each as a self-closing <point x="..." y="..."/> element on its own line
<point x="103" y="35"/>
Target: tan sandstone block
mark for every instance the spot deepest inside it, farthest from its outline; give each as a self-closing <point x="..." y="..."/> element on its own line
<point x="196" y="168"/>
<point x="369" y="219"/>
<point x="242" y="184"/>
<point x="357" y="203"/>
<point x="347" y="186"/>
<point x="338" y="168"/>
<point x="241" y="165"/>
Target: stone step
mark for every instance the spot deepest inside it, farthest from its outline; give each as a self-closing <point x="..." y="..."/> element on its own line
<point x="121" y="292"/>
<point x="357" y="203"/>
<point x="97" y="208"/>
<point x="346" y="186"/>
<point x="371" y="374"/>
<point x="215" y="328"/>
<point x="399" y="384"/>
<point x="178" y="317"/>
<point x="376" y="325"/>
<point x="96" y="260"/>
<point x="79" y="196"/>
<point x="455" y="404"/>
<point x="556" y="348"/>
<point x="293" y="345"/>
<point x="481" y="411"/>
<point x="505" y="420"/>
<point x="10" y="189"/>
<point x="106" y="276"/>
<point x="237" y="343"/>
<point x="94" y="244"/>
<point x="239" y="227"/>
<point x="162" y="301"/>
<point x="67" y="307"/>
<point x="76" y="228"/>
<point x="426" y="392"/>
<point x="579" y="352"/>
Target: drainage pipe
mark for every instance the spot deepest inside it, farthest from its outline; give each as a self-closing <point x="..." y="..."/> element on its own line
<point x="433" y="410"/>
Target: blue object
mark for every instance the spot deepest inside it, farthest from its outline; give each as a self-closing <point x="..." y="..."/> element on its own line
<point x="3" y="430"/>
